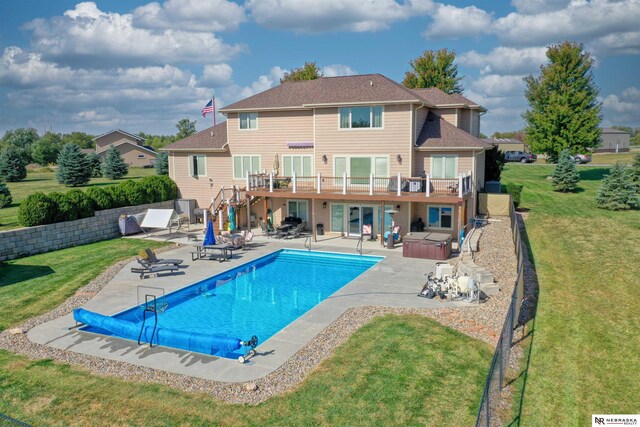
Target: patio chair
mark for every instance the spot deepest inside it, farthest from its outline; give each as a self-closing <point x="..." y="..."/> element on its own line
<point x="296" y="231"/>
<point x="146" y="269"/>
<point x="153" y="259"/>
<point x="396" y="234"/>
<point x="248" y="239"/>
<point x="267" y="231"/>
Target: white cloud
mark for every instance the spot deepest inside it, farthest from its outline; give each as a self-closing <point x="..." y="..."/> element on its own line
<point x="493" y="85"/>
<point x="89" y="37"/>
<point x="531" y="7"/>
<point x="334" y="70"/>
<point x="455" y="22"/>
<point x="190" y="15"/>
<point x="506" y="60"/>
<point x="618" y="44"/>
<point x="312" y="16"/>
<point x="622" y="109"/>
<point x="234" y="92"/>
<point x="216" y="75"/>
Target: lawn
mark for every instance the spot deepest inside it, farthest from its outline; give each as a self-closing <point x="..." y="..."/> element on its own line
<point x="584" y="356"/>
<point x="46" y="182"/>
<point x="612" y="158"/>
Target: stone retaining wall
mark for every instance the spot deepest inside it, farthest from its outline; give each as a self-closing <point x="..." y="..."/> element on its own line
<point x="44" y="238"/>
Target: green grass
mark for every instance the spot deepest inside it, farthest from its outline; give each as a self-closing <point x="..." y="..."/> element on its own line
<point x="396" y="370"/>
<point x="584" y="354"/>
<point x="36" y="284"/>
<point x="46" y="182"/>
<point x="612" y="158"/>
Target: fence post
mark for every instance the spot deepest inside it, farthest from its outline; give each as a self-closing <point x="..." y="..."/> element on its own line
<point x="319" y="181"/>
<point x="399" y="184"/>
<point x="371" y="184"/>
<point x="295" y="182"/>
<point x="428" y="185"/>
<point x="460" y="185"/>
<point x="248" y="182"/>
<point x="344" y="183"/>
<point x="271" y="182"/>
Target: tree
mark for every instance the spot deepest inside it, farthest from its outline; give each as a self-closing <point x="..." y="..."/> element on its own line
<point x="309" y="71"/>
<point x="434" y="69"/>
<point x="157" y="141"/>
<point x="493" y="164"/>
<point x="513" y="134"/>
<point x="113" y="166"/>
<point x="618" y="191"/>
<point x="95" y="165"/>
<point x="5" y="195"/>
<point x="13" y="163"/>
<point x="564" y="112"/>
<point x="162" y="163"/>
<point x="73" y="167"/>
<point x="21" y="137"/>
<point x="81" y="139"/>
<point x="634" y="171"/>
<point x="46" y="149"/>
<point x="185" y="127"/>
<point x="565" y="176"/>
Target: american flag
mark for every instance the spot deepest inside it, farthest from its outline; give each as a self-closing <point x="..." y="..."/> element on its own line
<point x="208" y="108"/>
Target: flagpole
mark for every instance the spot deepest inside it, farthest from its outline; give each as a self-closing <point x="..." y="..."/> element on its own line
<point x="213" y="103"/>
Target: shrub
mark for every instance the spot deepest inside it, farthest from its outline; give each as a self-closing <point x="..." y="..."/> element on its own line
<point x="5" y="195"/>
<point x="618" y="191"/>
<point x="113" y="166"/>
<point x="136" y="194"/>
<point x="82" y="203"/>
<point x="36" y="209"/>
<point x="565" y="176"/>
<point x="118" y="196"/>
<point x="100" y="198"/>
<point x="64" y="209"/>
<point x="516" y="191"/>
<point x="162" y="163"/>
<point x="13" y="164"/>
<point x="153" y="187"/>
<point x="168" y="188"/>
<point x="634" y="171"/>
<point x="73" y="167"/>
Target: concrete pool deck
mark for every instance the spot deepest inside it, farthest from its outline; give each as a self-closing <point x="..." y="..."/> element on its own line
<point x="393" y="282"/>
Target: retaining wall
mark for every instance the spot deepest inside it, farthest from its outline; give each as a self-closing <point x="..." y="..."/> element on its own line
<point x="23" y="242"/>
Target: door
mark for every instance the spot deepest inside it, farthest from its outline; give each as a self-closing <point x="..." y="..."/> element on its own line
<point x="355" y="221"/>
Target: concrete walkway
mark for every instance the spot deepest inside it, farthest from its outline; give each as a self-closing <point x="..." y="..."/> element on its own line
<point x="393" y="282"/>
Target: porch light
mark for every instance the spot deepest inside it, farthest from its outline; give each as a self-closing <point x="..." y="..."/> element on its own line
<point x="324" y="205"/>
<point x="324" y="158"/>
<point x="399" y="158"/>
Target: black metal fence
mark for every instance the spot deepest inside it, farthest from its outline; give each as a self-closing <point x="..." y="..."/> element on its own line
<point x="487" y="414"/>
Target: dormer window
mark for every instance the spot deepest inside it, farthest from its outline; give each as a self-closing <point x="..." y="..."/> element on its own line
<point x="361" y="117"/>
<point x="248" y="121"/>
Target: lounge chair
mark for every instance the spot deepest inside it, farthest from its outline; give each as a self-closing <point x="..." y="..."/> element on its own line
<point x="396" y="234"/>
<point x="153" y="259"/>
<point x="266" y="230"/>
<point x="146" y="269"/>
<point x="296" y="231"/>
<point x="236" y="241"/>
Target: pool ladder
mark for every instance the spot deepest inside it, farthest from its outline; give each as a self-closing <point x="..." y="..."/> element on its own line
<point x="151" y="308"/>
<point x="359" y="245"/>
<point x="307" y="243"/>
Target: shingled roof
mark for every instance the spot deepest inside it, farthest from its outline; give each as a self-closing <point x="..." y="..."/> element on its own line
<point x="440" y="98"/>
<point x="438" y="133"/>
<point x="365" y="88"/>
<point x="213" y="139"/>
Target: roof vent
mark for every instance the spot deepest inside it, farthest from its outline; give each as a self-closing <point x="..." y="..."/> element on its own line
<point x="212" y="134"/>
<point x="370" y="82"/>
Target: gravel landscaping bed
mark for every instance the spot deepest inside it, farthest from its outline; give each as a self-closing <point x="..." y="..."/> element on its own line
<point x="483" y="322"/>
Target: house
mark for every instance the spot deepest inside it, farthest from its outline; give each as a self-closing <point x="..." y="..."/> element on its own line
<point x="613" y="140"/>
<point x="508" y="144"/>
<point x="131" y="148"/>
<point x="340" y="153"/>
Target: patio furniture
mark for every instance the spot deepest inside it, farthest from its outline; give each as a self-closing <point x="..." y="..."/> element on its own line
<point x="153" y="259"/>
<point x="146" y="269"/>
<point x="267" y="231"/>
<point x="396" y="234"/>
<point x="209" y="251"/>
<point x="296" y="231"/>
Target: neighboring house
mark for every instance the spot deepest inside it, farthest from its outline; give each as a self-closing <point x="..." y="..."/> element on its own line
<point x="613" y="140"/>
<point x="131" y="148"/>
<point x="508" y="144"/>
<point x="341" y="152"/>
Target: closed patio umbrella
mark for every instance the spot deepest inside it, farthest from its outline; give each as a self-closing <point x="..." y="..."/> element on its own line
<point x="232" y="218"/>
<point x="209" y="238"/>
<point x="276" y="165"/>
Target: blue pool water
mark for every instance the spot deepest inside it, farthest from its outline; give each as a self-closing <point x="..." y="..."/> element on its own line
<point x="258" y="298"/>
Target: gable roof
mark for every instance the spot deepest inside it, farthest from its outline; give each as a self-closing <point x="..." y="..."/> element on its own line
<point x="136" y="137"/>
<point x="441" y="99"/>
<point x="210" y="139"/>
<point x="614" y="130"/>
<point x="438" y="133"/>
<point x="360" y="89"/>
<point x="146" y="148"/>
<point x="498" y="141"/>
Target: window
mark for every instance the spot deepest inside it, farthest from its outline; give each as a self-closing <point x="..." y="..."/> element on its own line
<point x="360" y="117"/>
<point x="244" y="165"/>
<point x="337" y="218"/>
<point x="440" y="217"/>
<point x="197" y="165"/>
<point x="298" y="209"/>
<point x="444" y="165"/>
<point x="362" y="167"/>
<point x="301" y="165"/>
<point x="248" y="121"/>
<point x="141" y="156"/>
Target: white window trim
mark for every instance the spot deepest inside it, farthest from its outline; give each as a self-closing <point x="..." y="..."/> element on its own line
<point x="298" y="155"/>
<point x="233" y="164"/>
<point x="298" y="202"/>
<point x="191" y="156"/>
<point x="248" y="129"/>
<point x="453" y="215"/>
<point x="370" y="118"/>
<point x="455" y="175"/>
<point x="372" y="157"/>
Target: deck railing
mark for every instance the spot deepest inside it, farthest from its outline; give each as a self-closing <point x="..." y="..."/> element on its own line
<point x="362" y="185"/>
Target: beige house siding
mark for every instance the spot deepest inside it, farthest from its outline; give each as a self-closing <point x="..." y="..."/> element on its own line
<point x="393" y="139"/>
<point x="475" y="123"/>
<point x="420" y="118"/>
<point x="448" y="114"/>
<point x="130" y="153"/>
<point x="115" y="138"/>
<point x="464" y="120"/>
<point x="218" y="167"/>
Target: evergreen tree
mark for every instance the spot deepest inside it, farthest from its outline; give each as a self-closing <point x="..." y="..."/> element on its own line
<point x="564" y="112"/>
<point x="73" y="167"/>
<point x="309" y="71"/>
<point x="5" y="195"/>
<point x="434" y="69"/>
<point x="113" y="166"/>
<point x="95" y="165"/>
<point x="13" y="163"/>
<point x="162" y="163"/>
<point x="493" y="164"/>
<point x="565" y="176"/>
<point x="618" y="191"/>
<point x="634" y="171"/>
<point x="21" y="137"/>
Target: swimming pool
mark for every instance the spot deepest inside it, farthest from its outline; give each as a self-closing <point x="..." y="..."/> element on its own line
<point x="258" y="298"/>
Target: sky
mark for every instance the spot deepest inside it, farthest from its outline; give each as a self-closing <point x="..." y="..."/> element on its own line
<point x="142" y="66"/>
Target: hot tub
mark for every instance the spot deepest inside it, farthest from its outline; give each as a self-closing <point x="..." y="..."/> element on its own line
<point x="427" y="246"/>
